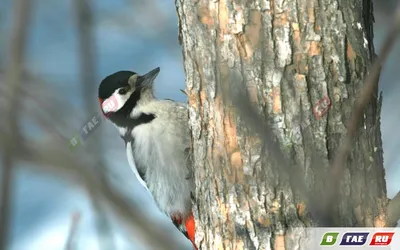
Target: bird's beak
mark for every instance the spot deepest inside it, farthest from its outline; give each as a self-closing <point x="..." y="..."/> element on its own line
<point x="147" y="79"/>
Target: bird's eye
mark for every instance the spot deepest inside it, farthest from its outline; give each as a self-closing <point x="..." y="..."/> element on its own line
<point x="122" y="91"/>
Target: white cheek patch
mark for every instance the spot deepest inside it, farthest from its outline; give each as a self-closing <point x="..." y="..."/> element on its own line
<point x="115" y="102"/>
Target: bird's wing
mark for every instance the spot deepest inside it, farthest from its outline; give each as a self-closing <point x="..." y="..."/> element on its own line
<point x="138" y="173"/>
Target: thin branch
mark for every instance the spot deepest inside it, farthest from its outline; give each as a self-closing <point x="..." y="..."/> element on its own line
<point x="393" y="210"/>
<point x="320" y="210"/>
<point x="257" y="125"/>
<point x="17" y="41"/>
<point x="52" y="157"/>
<point x="366" y="92"/>
<point x="87" y="54"/>
<point x="75" y="218"/>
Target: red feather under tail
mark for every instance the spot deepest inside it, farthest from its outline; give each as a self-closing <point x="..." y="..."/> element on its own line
<point x="189" y="224"/>
<point x="191" y="229"/>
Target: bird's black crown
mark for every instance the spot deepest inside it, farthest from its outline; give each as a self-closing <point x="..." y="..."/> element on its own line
<point x="113" y="82"/>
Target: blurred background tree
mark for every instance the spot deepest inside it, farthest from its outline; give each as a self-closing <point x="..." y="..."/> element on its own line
<point x="49" y="181"/>
<point x="307" y="153"/>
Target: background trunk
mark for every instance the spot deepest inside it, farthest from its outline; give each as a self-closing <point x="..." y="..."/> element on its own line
<point x="288" y="55"/>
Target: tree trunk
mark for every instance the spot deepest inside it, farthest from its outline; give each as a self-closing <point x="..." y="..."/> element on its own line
<point x="290" y="56"/>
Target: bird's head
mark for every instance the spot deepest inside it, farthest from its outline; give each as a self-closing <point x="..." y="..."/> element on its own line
<point x="120" y="92"/>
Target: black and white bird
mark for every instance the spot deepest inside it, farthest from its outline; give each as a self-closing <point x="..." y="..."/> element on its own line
<point x="157" y="140"/>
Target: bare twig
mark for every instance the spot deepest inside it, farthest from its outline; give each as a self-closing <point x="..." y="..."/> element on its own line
<point x="88" y="82"/>
<point x="52" y="157"/>
<point x="17" y="40"/>
<point x="256" y="124"/>
<point x="320" y="210"/>
<point x="366" y="92"/>
<point x="393" y="210"/>
<point x="69" y="245"/>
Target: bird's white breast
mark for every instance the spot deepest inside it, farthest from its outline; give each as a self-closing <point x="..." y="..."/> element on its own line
<point x="159" y="147"/>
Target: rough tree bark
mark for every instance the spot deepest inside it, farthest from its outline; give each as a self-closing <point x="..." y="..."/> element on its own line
<point x="288" y="55"/>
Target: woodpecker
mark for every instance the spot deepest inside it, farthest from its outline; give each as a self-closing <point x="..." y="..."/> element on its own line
<point x="157" y="140"/>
